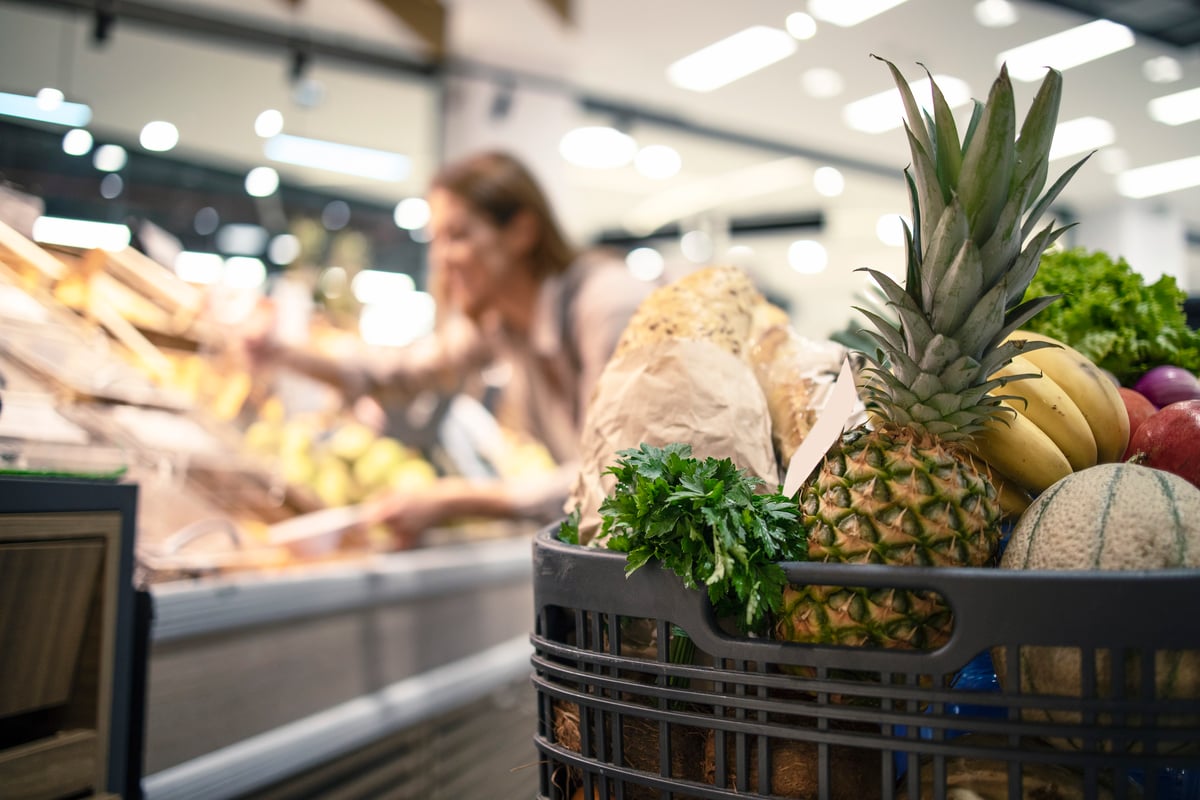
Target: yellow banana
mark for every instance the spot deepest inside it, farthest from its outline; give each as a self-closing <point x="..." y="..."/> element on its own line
<point x="1049" y="407"/>
<point x="1021" y="451"/>
<point x="1091" y="390"/>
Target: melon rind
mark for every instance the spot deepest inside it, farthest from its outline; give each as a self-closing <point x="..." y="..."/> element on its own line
<point x="1107" y="517"/>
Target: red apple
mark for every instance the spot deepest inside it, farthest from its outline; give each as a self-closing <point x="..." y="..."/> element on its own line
<point x="1170" y="440"/>
<point x="1139" y="408"/>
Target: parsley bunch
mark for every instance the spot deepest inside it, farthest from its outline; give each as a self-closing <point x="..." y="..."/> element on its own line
<point x="704" y="521"/>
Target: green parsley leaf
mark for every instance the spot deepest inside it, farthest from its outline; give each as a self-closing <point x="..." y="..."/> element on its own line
<point x="568" y="529"/>
<point x="706" y="521"/>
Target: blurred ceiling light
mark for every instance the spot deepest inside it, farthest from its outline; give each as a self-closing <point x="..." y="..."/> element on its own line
<point x="75" y="115"/>
<point x="1066" y="49"/>
<point x="657" y="161"/>
<point x="731" y="58"/>
<point x="1176" y="109"/>
<point x="348" y="159"/>
<point x="1113" y="160"/>
<point x="268" y="123"/>
<point x="890" y="230"/>
<point x="195" y="267"/>
<point x="645" y="263"/>
<point x="81" y="233"/>
<point x="77" y="142"/>
<point x="696" y="196"/>
<point x="159" y="136"/>
<point x="380" y="286"/>
<point x="995" y="13"/>
<point x="284" y="249"/>
<point x="206" y="221"/>
<point x="1080" y="135"/>
<point x="740" y="255"/>
<point x="262" y="182"/>
<point x="49" y="98"/>
<point x="885" y="111"/>
<point x="828" y="181"/>
<point x="1162" y="69"/>
<point x="399" y="321"/>
<point x="412" y="213"/>
<point x="420" y="235"/>
<point x="847" y="13"/>
<point x="332" y="282"/>
<point x="808" y="257"/>
<point x="242" y="239"/>
<point x="335" y="215"/>
<point x="597" y="147"/>
<point x="1169" y="176"/>
<point x="111" y="186"/>
<point x="244" y="272"/>
<point x="822" y="82"/>
<point x="110" y="158"/>
<point x="697" y="246"/>
<point x="800" y="25"/>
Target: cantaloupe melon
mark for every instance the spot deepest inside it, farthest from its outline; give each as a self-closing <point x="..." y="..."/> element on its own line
<point x="1107" y="517"/>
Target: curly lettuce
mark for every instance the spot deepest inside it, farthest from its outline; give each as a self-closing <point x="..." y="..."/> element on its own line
<point x="1109" y="313"/>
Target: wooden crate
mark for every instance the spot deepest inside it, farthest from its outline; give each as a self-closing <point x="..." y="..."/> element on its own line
<point x="66" y="639"/>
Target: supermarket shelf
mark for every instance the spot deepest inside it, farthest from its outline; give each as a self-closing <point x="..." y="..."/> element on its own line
<point x="188" y="609"/>
<point x="237" y="658"/>
<point x="275" y="755"/>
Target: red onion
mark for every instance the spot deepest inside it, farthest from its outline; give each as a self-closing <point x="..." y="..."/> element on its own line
<point x="1168" y="384"/>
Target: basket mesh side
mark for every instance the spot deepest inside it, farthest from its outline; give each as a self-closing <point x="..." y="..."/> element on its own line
<point x="622" y="715"/>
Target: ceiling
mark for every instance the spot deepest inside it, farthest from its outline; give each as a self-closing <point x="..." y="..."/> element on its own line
<point x="516" y="74"/>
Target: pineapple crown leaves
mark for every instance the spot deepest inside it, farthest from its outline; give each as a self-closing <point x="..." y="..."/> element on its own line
<point x="970" y="256"/>
<point x="993" y="178"/>
<point x="707" y="521"/>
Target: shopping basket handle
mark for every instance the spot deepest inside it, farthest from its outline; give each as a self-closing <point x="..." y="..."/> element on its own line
<point x="990" y="607"/>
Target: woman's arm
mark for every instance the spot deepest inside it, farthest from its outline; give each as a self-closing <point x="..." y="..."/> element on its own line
<point x="439" y="361"/>
<point x="539" y="498"/>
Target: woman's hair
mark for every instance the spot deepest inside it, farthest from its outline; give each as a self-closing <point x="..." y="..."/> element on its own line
<point x="498" y="186"/>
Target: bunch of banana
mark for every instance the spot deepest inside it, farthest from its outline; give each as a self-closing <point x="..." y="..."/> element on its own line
<point x="1070" y="418"/>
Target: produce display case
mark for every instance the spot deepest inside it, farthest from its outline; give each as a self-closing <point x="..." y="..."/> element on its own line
<point x="619" y="717"/>
<point x="270" y="667"/>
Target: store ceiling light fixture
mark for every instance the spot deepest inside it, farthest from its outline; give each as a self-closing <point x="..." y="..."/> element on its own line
<point x="731" y="58"/>
<point x="1156" y="179"/>
<point x="597" y="147"/>
<point x="848" y="14"/>
<point x="73" y="115"/>
<point x="1176" y="109"/>
<point x="1066" y="49"/>
<point x="883" y="112"/>
<point x="347" y="159"/>
<point x="81" y="233"/>
<point x="196" y="267"/>
<point x="1080" y="135"/>
<point x="159" y="136"/>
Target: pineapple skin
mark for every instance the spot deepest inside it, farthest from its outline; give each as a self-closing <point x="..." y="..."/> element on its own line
<point x="906" y="492"/>
<point x="889" y="496"/>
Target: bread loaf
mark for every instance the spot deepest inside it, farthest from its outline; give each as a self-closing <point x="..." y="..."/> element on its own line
<point x="796" y="375"/>
<point x="715" y="304"/>
<point x="721" y="305"/>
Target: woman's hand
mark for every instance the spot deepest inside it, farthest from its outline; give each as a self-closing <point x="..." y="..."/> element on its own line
<point x="409" y="513"/>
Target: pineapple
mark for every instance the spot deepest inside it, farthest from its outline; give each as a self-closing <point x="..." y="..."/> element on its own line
<point x="903" y="489"/>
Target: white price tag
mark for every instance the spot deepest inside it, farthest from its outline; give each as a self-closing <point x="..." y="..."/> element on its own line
<point x="839" y="408"/>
